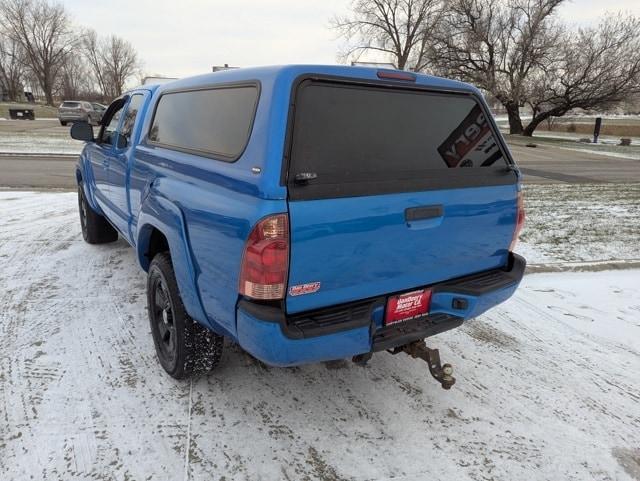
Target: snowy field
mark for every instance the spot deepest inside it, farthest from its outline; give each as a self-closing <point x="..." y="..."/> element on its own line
<point x="581" y="223"/>
<point x="47" y="143"/>
<point x="548" y="383"/>
<point x="42" y="136"/>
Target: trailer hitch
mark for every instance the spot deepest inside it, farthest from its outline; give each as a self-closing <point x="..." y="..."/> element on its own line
<point x="440" y="372"/>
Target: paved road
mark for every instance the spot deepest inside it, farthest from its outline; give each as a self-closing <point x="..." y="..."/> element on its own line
<point x="37" y="171"/>
<point x="543" y="164"/>
<point x="553" y="164"/>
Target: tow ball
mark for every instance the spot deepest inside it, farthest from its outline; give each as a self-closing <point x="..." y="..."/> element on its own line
<point x="440" y="372"/>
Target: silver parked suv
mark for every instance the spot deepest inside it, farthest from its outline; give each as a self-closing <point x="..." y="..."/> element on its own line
<point x="76" y="111"/>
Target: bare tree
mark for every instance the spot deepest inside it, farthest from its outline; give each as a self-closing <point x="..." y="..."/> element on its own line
<point x="92" y="52"/>
<point x="599" y="68"/>
<point x="11" y="67"/>
<point x="44" y="32"/>
<point x="399" y="29"/>
<point x="498" y="46"/>
<point x="113" y="61"/>
<point x="121" y="61"/>
<point x="520" y="53"/>
<point x="73" y="82"/>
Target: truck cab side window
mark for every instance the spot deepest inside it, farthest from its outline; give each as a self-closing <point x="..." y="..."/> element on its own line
<point x="130" y="120"/>
<point x="108" y="135"/>
<point x="110" y="122"/>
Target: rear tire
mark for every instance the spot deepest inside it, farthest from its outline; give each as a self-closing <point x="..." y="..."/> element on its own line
<point x="183" y="346"/>
<point x="95" y="228"/>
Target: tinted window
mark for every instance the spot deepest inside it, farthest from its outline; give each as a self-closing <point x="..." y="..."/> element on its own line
<point x="130" y="117"/>
<point x="368" y="133"/>
<point x="215" y="122"/>
<point x="71" y="105"/>
<point x="109" y="130"/>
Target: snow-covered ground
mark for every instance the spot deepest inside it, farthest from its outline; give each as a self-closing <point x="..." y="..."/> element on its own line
<point x="41" y="136"/>
<point x="548" y="384"/>
<point x="39" y="143"/>
<point x="581" y="223"/>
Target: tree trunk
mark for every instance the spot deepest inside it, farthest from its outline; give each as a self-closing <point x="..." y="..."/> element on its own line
<point x="12" y="89"/>
<point x="537" y="119"/>
<point x="48" y="92"/>
<point x="14" y="93"/>
<point x="515" y="122"/>
<point x="529" y="129"/>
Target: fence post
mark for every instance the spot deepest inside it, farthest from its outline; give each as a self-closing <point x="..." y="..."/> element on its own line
<point x="596" y="130"/>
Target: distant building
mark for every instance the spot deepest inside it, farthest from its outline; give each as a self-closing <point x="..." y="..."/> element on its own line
<point x="218" y="68"/>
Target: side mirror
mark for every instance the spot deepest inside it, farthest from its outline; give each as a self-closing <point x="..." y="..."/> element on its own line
<point x="82" y="131"/>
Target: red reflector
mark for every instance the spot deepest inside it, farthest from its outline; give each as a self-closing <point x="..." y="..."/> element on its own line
<point x="396" y="75"/>
<point x="519" y="221"/>
<point x="265" y="261"/>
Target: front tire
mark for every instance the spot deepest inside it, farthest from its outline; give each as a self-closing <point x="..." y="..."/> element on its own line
<point x="183" y="346"/>
<point x="95" y="228"/>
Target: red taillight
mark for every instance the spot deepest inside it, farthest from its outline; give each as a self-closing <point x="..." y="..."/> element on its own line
<point x="519" y="221"/>
<point x="265" y="262"/>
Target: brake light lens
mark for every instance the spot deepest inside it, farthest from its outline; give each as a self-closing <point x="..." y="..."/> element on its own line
<point x="265" y="261"/>
<point x="396" y="75"/>
<point x="519" y="221"/>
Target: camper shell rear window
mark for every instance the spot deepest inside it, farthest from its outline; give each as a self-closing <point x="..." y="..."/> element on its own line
<point x="355" y="139"/>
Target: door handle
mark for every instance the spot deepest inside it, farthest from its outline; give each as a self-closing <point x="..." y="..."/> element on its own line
<point x="423" y="212"/>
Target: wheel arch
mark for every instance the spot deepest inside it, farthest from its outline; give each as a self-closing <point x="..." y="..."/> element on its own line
<point x="84" y="184"/>
<point x="162" y="228"/>
<point x="151" y="241"/>
<point x="84" y="178"/>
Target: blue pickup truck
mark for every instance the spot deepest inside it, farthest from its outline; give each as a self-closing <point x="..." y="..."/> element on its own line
<point x="308" y="213"/>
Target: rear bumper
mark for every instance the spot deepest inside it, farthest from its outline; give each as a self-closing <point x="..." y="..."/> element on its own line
<point x="70" y="116"/>
<point x="357" y="328"/>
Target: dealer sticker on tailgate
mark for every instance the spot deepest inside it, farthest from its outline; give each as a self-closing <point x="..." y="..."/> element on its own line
<point x="405" y="307"/>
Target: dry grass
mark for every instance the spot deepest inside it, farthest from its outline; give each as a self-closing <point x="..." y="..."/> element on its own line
<point x="608" y="128"/>
<point x="41" y="111"/>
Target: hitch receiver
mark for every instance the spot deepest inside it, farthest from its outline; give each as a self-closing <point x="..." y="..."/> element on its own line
<point x="440" y="372"/>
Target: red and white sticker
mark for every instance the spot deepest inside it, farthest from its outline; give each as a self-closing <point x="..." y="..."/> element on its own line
<point x="471" y="144"/>
<point x="408" y="306"/>
<point x="308" y="288"/>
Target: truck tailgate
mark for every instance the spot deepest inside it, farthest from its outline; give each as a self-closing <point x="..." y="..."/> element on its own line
<point x="363" y="247"/>
<point x="392" y="188"/>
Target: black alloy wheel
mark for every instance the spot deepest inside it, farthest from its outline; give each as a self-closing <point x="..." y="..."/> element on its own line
<point x="163" y="318"/>
<point x="184" y="347"/>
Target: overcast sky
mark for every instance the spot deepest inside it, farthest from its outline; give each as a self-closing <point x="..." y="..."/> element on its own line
<point x="186" y="37"/>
